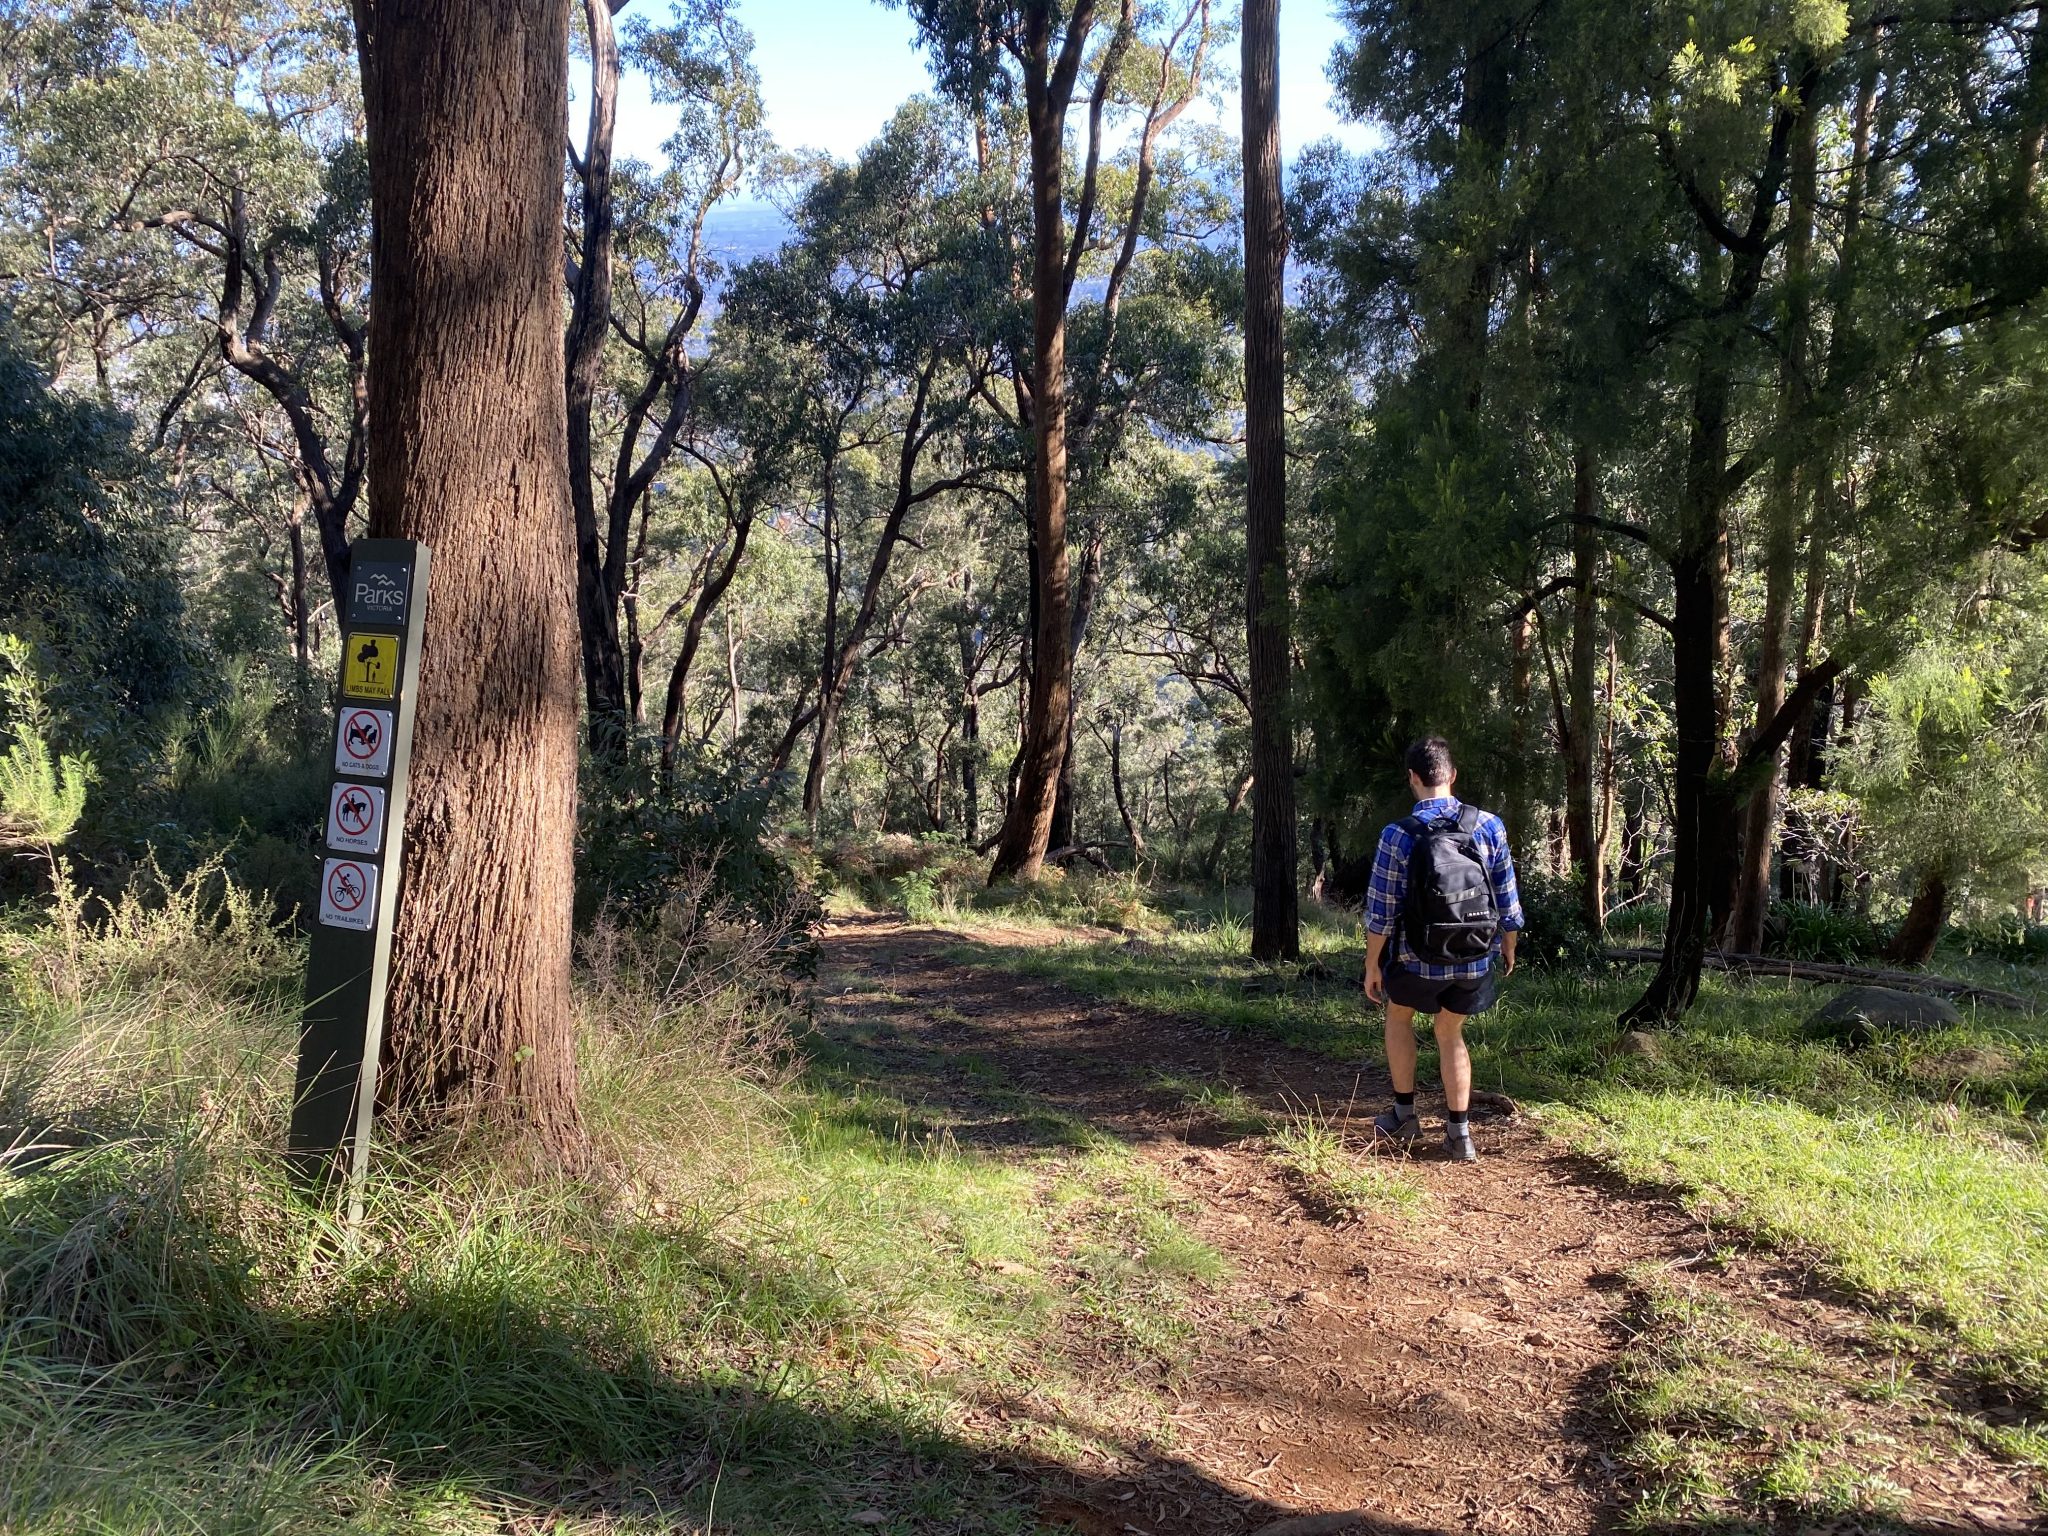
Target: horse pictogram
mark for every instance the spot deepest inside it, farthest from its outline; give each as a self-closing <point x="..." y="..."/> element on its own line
<point x="355" y="811"/>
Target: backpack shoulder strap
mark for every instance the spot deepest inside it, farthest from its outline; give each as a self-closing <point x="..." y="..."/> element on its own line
<point x="1414" y="826"/>
<point x="1470" y="818"/>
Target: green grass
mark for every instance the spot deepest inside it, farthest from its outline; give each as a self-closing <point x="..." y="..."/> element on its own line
<point x="787" y="1299"/>
<point x="1909" y="1171"/>
<point x="1335" y="1185"/>
<point x="1729" y="1422"/>
<point x="1221" y="1107"/>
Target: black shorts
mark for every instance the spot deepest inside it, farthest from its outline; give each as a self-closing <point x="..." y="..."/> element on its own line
<point x="1466" y="995"/>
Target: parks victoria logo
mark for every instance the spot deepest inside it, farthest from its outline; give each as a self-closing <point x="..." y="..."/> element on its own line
<point x="377" y="592"/>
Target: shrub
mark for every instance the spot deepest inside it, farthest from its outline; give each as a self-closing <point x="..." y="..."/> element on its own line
<point x="2007" y="937"/>
<point x="645" y="844"/>
<point x="920" y="876"/>
<point x="1555" y="935"/>
<point x="1802" y="930"/>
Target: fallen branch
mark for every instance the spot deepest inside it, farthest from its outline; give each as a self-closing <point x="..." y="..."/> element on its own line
<point x="1091" y="852"/>
<point x="1818" y="970"/>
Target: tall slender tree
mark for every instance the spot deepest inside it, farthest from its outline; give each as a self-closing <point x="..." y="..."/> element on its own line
<point x="1276" y="925"/>
<point x="465" y="104"/>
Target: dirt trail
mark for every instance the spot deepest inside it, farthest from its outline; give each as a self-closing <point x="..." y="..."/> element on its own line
<point x="1446" y="1374"/>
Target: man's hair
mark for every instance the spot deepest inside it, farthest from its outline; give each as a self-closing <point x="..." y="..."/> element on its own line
<point x="1430" y="760"/>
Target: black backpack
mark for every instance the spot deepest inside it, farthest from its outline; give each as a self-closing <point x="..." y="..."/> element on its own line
<point x="1450" y="913"/>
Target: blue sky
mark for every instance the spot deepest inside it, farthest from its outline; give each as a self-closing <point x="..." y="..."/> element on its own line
<point x="832" y="71"/>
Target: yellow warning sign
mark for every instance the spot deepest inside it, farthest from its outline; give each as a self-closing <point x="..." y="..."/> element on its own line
<point x="369" y="666"/>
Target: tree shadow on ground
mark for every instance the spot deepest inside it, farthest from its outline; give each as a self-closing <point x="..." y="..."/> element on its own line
<point x="431" y="1389"/>
<point x="538" y="1425"/>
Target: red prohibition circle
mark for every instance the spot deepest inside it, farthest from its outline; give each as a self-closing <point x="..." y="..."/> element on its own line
<point x="346" y="893"/>
<point x="355" y="812"/>
<point x="362" y="723"/>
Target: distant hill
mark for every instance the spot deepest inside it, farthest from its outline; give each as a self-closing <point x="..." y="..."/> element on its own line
<point x="738" y="232"/>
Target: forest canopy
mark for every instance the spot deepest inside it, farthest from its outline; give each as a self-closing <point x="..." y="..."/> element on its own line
<point x="1661" y="396"/>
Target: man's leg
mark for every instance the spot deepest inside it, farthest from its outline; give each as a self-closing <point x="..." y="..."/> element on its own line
<point x="1400" y="1122"/>
<point x="1454" y="1059"/>
<point x="1456" y="1064"/>
<point x="1401" y="1047"/>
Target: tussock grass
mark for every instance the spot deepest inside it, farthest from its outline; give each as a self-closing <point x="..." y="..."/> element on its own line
<point x="783" y="1295"/>
<point x="1337" y="1186"/>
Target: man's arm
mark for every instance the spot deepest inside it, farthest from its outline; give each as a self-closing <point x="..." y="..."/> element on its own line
<point x="1507" y="897"/>
<point x="1383" y="897"/>
<point x="1375" y="978"/>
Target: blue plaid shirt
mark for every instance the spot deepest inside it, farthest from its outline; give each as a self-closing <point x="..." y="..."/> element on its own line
<point x="1390" y="887"/>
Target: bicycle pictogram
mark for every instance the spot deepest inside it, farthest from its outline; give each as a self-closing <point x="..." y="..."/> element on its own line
<point x="346" y="887"/>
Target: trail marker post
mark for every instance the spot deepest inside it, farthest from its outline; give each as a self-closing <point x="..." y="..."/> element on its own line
<point x="348" y="966"/>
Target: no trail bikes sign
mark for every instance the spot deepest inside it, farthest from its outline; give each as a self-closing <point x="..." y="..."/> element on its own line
<point x="349" y="962"/>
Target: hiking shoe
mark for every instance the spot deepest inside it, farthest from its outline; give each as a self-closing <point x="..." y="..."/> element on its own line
<point x="1458" y="1144"/>
<point x="1393" y="1125"/>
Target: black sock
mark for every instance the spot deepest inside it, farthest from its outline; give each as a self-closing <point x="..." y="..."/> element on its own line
<point x="1457" y="1116"/>
<point x="1405" y="1100"/>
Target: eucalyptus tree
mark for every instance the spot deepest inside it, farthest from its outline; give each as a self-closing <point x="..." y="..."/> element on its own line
<point x="465" y="106"/>
<point x="637" y="279"/>
<point x="994" y="55"/>
<point x="891" y="289"/>
<point x="1276" y="929"/>
<point x="188" y="225"/>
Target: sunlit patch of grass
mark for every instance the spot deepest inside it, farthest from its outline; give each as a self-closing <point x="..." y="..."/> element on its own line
<point x="1911" y="1170"/>
<point x="781" y="1286"/>
<point x="1336" y="1186"/>
<point x="1929" y="1215"/>
<point x="1730" y="1421"/>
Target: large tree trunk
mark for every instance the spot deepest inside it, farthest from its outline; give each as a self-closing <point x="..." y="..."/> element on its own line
<point x="1048" y="87"/>
<point x="1704" y="780"/>
<point x="1582" y="829"/>
<point x="1781" y="557"/>
<point x="1914" y="943"/>
<point x="1276" y="917"/>
<point x="465" y="105"/>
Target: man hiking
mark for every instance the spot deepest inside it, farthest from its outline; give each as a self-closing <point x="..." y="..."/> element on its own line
<point x="1443" y="891"/>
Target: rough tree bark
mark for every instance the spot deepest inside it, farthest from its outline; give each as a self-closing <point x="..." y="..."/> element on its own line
<point x="1048" y="90"/>
<point x="464" y="105"/>
<point x="1276" y="915"/>
<point x="1921" y="930"/>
